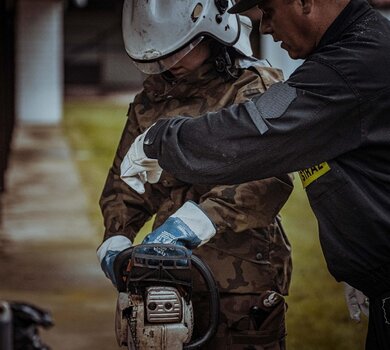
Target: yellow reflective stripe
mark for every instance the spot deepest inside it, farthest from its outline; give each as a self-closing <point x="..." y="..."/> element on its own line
<point x="311" y="174"/>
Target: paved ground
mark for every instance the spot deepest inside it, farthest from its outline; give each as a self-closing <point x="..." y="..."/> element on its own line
<point x="47" y="244"/>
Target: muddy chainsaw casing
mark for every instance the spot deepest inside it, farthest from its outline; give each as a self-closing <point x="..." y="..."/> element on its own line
<point x="154" y="308"/>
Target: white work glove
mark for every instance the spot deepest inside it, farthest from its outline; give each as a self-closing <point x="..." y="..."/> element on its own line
<point x="189" y="226"/>
<point x="108" y="251"/>
<point x="137" y="169"/>
<point x="357" y="302"/>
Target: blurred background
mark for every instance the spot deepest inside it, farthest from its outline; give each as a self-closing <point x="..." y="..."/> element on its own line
<point x="65" y="86"/>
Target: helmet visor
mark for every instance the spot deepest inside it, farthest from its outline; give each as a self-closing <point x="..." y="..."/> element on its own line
<point x="159" y="66"/>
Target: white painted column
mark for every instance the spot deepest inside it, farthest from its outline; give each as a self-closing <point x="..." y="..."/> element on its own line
<point x="39" y="61"/>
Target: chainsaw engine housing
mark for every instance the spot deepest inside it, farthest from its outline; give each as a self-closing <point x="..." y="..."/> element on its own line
<point x="164" y="321"/>
<point x="154" y="308"/>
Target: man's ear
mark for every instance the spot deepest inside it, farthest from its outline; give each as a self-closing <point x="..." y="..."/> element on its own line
<point x="307" y="6"/>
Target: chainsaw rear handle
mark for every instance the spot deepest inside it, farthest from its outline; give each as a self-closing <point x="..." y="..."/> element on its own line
<point x="126" y="258"/>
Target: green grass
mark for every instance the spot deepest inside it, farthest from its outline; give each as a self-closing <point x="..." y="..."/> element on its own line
<point x="317" y="318"/>
<point x="93" y="130"/>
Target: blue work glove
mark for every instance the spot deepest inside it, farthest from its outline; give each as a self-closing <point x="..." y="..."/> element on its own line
<point x="189" y="226"/>
<point x="108" y="251"/>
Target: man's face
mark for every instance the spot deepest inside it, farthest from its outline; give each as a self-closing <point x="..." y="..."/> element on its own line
<point x="289" y="23"/>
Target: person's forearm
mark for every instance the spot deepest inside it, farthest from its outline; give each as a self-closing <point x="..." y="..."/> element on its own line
<point x="252" y="205"/>
<point x="124" y="211"/>
<point x="284" y="130"/>
<point x="210" y="149"/>
<point x="223" y="147"/>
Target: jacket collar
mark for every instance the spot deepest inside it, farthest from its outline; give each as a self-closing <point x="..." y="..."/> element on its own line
<point x="354" y="10"/>
<point x="161" y="87"/>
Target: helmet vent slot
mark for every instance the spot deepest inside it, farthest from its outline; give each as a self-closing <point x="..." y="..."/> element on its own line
<point x="196" y="12"/>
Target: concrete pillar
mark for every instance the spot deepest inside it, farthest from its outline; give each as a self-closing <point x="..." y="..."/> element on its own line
<point x="39" y="61"/>
<point x="7" y="85"/>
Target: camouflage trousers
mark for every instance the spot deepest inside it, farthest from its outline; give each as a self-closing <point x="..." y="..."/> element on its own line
<point x="246" y="321"/>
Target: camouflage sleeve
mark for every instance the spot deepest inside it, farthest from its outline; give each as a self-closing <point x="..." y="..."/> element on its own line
<point x="246" y="206"/>
<point x="124" y="210"/>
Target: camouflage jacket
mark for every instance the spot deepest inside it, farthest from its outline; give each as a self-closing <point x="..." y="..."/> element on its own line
<point x="249" y="252"/>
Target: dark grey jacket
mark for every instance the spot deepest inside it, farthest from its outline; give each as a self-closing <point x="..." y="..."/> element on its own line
<point x="332" y="118"/>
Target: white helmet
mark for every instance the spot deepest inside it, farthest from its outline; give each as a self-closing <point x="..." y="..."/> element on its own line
<point x="159" y="33"/>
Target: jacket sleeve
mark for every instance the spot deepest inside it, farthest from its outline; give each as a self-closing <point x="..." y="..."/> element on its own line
<point x="124" y="210"/>
<point x="309" y="119"/>
<point x="251" y="205"/>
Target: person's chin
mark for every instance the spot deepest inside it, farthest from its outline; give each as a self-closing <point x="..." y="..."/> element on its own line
<point x="293" y="54"/>
<point x="285" y="47"/>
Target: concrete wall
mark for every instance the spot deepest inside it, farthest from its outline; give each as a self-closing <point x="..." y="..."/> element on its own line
<point x="39" y="61"/>
<point x="94" y="50"/>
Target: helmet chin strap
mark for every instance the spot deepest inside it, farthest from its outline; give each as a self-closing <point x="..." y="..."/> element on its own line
<point x="224" y="65"/>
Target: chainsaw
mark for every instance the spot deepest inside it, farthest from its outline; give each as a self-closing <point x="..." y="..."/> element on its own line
<point x="154" y="307"/>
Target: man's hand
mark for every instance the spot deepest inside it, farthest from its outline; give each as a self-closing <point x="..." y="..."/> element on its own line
<point x="356" y="301"/>
<point x="137" y="169"/>
<point x="189" y="227"/>
<point x="108" y="251"/>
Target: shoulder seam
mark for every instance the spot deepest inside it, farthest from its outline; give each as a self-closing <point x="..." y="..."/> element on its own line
<point x="331" y="66"/>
